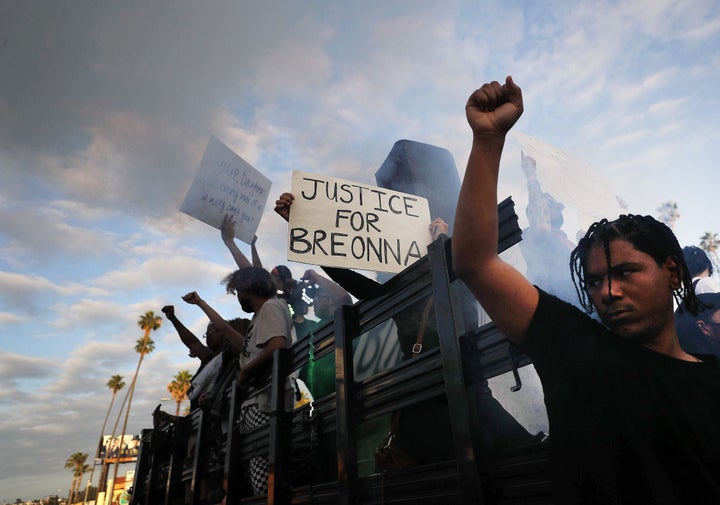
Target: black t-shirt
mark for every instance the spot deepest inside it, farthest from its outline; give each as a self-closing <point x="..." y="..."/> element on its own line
<point x="627" y="425"/>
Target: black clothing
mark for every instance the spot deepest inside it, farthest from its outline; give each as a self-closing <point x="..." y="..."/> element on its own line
<point x="627" y="425"/>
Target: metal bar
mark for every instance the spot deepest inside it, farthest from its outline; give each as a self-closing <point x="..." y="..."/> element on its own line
<point x="277" y="454"/>
<point x="453" y="371"/>
<point x="346" y="328"/>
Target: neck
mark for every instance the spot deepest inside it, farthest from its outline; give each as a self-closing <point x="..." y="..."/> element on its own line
<point x="668" y="343"/>
<point x="257" y="302"/>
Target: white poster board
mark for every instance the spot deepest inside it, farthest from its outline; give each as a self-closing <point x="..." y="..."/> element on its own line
<point x="572" y="182"/>
<point x="227" y="184"/>
<point x="340" y="223"/>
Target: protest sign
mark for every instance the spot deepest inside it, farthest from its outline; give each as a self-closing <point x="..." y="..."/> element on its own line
<point x="340" y="223"/>
<point x="571" y="182"/>
<point x="227" y="184"/>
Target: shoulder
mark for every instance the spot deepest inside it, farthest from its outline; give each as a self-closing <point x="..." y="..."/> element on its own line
<point x="557" y="323"/>
<point x="707" y="285"/>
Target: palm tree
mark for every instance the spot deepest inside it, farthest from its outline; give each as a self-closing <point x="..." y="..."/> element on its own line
<point x="179" y="387"/>
<point x="79" y="472"/>
<point x="115" y="384"/>
<point x="148" y="322"/>
<point x="76" y="462"/>
<point x="710" y="243"/>
<point x="669" y="213"/>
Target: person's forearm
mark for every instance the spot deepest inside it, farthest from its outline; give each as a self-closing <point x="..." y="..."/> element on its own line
<point x="236" y="339"/>
<point x="240" y="259"/>
<point x="186" y="336"/>
<point x="265" y="357"/>
<point x="353" y="282"/>
<point x="476" y="221"/>
<point x="255" y="256"/>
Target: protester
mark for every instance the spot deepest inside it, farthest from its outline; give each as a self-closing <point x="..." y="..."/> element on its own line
<point x="701" y="270"/>
<point x="286" y="286"/>
<point x="269" y="330"/>
<point x="633" y="417"/>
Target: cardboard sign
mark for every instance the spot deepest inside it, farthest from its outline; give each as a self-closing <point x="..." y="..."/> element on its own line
<point x="340" y="223"/>
<point x="227" y="184"/>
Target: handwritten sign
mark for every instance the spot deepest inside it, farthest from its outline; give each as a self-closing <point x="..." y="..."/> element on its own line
<point x="227" y="184"/>
<point x="341" y="223"/>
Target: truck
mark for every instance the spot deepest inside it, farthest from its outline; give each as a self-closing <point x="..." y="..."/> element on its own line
<point x="324" y="451"/>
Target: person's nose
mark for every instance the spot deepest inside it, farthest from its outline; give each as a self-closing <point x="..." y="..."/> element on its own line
<point x="611" y="291"/>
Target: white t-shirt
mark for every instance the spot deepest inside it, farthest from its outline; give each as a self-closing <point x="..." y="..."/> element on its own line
<point x="272" y="320"/>
<point x="706" y="285"/>
<point x="205" y="379"/>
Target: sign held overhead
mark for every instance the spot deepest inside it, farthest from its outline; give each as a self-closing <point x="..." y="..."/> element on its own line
<point x="340" y="223"/>
<point x="226" y="184"/>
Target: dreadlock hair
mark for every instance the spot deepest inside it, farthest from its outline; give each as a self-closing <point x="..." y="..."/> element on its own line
<point x="647" y="235"/>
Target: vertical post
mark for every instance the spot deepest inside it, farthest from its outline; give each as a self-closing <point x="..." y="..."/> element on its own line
<point x="198" y="424"/>
<point x="231" y="475"/>
<point x="347" y="327"/>
<point x="277" y="457"/>
<point x="445" y="314"/>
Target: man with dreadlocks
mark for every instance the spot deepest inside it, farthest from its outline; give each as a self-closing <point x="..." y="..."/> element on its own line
<point x="633" y="417"/>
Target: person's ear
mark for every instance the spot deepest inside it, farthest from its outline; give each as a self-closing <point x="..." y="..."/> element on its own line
<point x="674" y="270"/>
<point x="703" y="327"/>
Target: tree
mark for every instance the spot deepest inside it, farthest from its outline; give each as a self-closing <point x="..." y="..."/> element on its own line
<point x="115" y="384"/>
<point x="710" y="243"/>
<point x="669" y="213"/>
<point x="76" y="462"/>
<point x="179" y="387"/>
<point x="148" y="322"/>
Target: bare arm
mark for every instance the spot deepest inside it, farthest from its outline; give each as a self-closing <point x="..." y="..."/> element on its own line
<point x="508" y="298"/>
<point x="196" y="347"/>
<point x="227" y="233"/>
<point x="236" y="338"/>
<point x="255" y="256"/>
<point x="262" y="359"/>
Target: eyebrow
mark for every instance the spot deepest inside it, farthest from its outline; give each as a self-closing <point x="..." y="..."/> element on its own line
<point x="614" y="269"/>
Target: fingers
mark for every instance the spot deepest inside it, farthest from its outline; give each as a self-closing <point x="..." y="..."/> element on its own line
<point x="282" y="205"/>
<point x="191" y="297"/>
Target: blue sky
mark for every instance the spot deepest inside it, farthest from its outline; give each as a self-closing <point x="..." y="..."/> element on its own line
<point x="106" y="108"/>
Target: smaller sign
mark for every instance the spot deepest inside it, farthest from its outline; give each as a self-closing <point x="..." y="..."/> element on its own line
<point x="340" y="223"/>
<point x="226" y="184"/>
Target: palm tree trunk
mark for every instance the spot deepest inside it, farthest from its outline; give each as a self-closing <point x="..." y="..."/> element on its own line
<point x="97" y="451"/>
<point x="177" y="409"/>
<point x="103" y="474"/>
<point x="127" y="411"/>
<point x="72" y="489"/>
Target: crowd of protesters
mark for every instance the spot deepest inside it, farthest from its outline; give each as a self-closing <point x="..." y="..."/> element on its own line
<point x="633" y="396"/>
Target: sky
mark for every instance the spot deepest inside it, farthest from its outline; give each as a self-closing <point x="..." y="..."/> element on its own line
<point x="106" y="109"/>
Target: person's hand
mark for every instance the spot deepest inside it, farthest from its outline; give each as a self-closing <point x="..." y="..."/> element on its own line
<point x="227" y="230"/>
<point x="438" y="227"/>
<point x="528" y="165"/>
<point x="282" y="205"/>
<point x="494" y="108"/>
<point x="192" y="298"/>
<point x="168" y="310"/>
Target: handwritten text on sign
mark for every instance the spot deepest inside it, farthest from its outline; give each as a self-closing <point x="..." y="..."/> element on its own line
<point x="227" y="184"/>
<point x="341" y="223"/>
